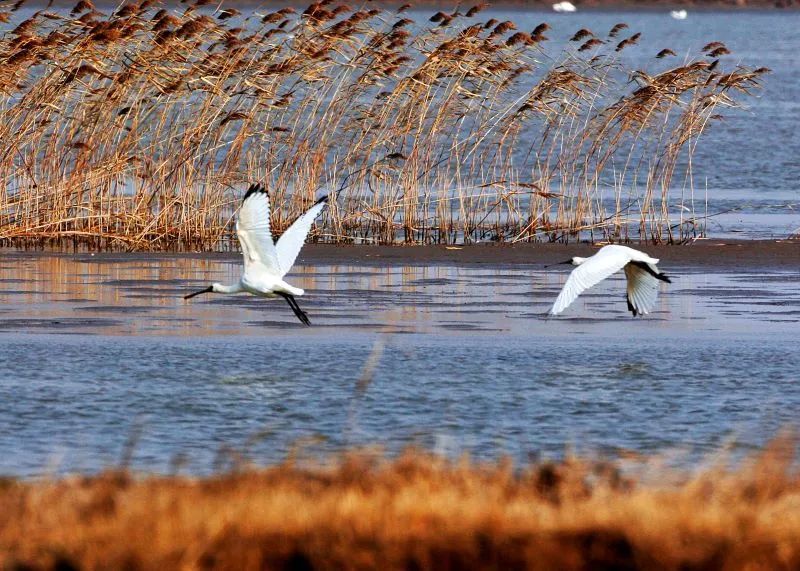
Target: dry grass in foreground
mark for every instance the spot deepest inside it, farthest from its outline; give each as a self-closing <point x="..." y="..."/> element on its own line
<point x="415" y="512"/>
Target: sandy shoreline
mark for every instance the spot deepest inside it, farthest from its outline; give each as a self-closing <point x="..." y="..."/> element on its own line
<point x="717" y="254"/>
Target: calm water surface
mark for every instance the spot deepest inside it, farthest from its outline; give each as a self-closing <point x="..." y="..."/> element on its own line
<point x="97" y="353"/>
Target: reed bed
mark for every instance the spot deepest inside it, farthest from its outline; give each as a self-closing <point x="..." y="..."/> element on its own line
<point x="413" y="512"/>
<point x="136" y="128"/>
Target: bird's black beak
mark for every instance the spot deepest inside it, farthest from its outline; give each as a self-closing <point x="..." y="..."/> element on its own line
<point x="559" y="263"/>
<point x="209" y="289"/>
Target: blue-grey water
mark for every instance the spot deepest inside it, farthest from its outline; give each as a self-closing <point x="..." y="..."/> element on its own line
<point x="101" y="361"/>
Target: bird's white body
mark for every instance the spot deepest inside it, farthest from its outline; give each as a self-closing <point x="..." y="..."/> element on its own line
<point x="640" y="270"/>
<point x="267" y="262"/>
<point x="679" y="14"/>
<point x="564" y="7"/>
<point x="259" y="287"/>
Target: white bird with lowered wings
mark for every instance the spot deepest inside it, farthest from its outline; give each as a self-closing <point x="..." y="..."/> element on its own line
<point x="640" y="270"/>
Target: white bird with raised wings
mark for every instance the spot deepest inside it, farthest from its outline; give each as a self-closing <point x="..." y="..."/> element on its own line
<point x="640" y="270"/>
<point x="266" y="262"/>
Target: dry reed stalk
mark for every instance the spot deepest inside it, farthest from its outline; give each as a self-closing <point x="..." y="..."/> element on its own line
<point x="133" y="129"/>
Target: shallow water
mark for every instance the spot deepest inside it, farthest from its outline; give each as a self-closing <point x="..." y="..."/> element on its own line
<point x="100" y="355"/>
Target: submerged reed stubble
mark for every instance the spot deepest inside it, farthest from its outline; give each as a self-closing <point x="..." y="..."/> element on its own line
<point x="133" y="129"/>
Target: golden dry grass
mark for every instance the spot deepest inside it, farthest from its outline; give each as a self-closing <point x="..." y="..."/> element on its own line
<point x="136" y="128"/>
<point x="415" y="512"/>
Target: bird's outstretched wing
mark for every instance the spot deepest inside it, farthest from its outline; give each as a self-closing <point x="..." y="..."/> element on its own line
<point x="643" y="278"/>
<point x="291" y="241"/>
<point x="591" y="272"/>
<point x="642" y="290"/>
<point x="252" y="227"/>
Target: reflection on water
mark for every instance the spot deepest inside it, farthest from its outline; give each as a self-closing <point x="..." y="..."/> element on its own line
<point x="468" y="362"/>
<point x="144" y="296"/>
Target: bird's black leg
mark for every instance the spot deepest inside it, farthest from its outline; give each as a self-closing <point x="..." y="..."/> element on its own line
<point x="209" y="289"/>
<point x="301" y="315"/>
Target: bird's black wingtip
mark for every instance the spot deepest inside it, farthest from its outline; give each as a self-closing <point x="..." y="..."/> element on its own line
<point x="664" y="278"/>
<point x="631" y="308"/>
<point x="255" y="188"/>
<point x="322" y="200"/>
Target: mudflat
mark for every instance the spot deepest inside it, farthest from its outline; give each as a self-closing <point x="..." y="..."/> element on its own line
<point x="712" y="253"/>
